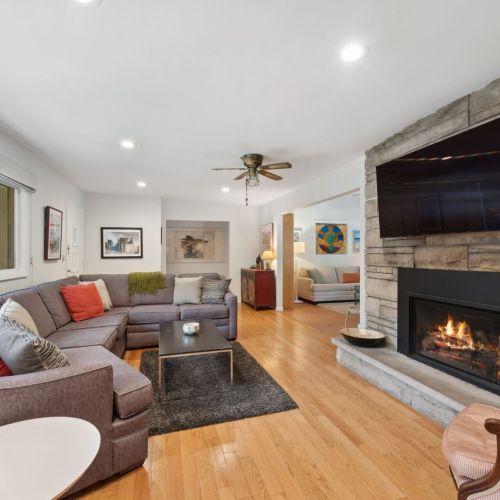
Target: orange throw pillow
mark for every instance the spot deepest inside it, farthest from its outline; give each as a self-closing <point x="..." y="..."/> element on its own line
<point x="350" y="278"/>
<point x="82" y="301"/>
<point x="4" y="369"/>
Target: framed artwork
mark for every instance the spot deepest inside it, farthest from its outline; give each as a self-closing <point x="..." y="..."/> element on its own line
<point x="266" y="237"/>
<point x="52" y="241"/>
<point x="195" y="244"/>
<point x="297" y="234"/>
<point x="121" y="243"/>
<point x="356" y="241"/>
<point x="331" y="238"/>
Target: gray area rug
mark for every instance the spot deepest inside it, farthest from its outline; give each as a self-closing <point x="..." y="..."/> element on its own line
<point x="197" y="391"/>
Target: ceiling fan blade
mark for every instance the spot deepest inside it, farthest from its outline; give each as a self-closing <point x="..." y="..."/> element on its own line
<point x="276" y="166"/>
<point x="241" y="176"/>
<point x="269" y="175"/>
<point x="228" y="169"/>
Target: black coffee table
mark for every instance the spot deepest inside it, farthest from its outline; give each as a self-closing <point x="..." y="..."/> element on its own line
<point x="174" y="343"/>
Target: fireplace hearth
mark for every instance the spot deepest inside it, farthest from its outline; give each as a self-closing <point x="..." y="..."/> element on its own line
<point x="451" y="321"/>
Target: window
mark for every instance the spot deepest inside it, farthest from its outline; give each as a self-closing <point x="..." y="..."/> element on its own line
<point x="15" y="229"/>
<point x="7" y="225"/>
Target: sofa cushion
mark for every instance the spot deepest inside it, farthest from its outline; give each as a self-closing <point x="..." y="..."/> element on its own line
<point x="468" y="447"/>
<point x="333" y="287"/>
<point x="117" y="310"/>
<point x="52" y="298"/>
<point x="153" y="314"/>
<point x="116" y="284"/>
<point x="340" y="270"/>
<point x="187" y="290"/>
<point x="103" y="292"/>
<point x="323" y="275"/>
<point x="203" y="311"/>
<point x="104" y="336"/>
<point x="162" y="296"/>
<point x="214" y="291"/>
<point x="25" y="352"/>
<point x="13" y="311"/>
<point x="119" y="321"/>
<point x="33" y="303"/>
<point x="132" y="392"/>
<point x="351" y="278"/>
<point x="83" y="301"/>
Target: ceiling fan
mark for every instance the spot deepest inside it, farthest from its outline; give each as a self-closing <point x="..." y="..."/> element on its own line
<point x="253" y="168"/>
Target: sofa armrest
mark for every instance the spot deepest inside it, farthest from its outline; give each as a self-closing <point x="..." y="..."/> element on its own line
<point x="231" y="302"/>
<point x="74" y="391"/>
<point x="304" y="286"/>
<point x="83" y="391"/>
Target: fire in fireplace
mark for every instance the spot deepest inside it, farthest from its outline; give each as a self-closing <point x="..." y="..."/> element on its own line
<point x="451" y="321"/>
<point x="462" y="337"/>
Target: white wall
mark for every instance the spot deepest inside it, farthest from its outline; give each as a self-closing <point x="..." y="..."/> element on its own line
<point x="243" y="231"/>
<point x="102" y="210"/>
<point x="52" y="189"/>
<point x="343" y="179"/>
<point x="345" y="210"/>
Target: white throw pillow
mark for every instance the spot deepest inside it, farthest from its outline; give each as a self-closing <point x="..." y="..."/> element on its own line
<point x="103" y="292"/>
<point x="13" y="311"/>
<point x="187" y="290"/>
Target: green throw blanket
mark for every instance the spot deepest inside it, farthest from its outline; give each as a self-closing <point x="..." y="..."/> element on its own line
<point x="148" y="283"/>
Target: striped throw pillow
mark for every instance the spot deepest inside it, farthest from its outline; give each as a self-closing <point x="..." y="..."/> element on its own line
<point x="213" y="291"/>
<point x="25" y="352"/>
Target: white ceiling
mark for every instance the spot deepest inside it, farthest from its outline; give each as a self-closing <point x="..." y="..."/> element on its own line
<point x="197" y="83"/>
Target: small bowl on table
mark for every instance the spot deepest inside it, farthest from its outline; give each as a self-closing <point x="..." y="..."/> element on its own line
<point x="363" y="337"/>
<point x="191" y="328"/>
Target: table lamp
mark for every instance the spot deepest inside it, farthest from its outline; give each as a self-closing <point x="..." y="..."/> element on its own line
<point x="267" y="256"/>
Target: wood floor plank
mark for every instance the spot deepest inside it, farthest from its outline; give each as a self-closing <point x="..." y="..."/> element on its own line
<point x="347" y="440"/>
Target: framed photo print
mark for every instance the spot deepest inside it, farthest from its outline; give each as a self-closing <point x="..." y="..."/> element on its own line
<point x="52" y="241"/>
<point x="297" y="234"/>
<point x="121" y="243"/>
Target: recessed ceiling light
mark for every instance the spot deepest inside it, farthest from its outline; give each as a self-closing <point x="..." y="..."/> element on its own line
<point x="89" y="2"/>
<point x="127" y="144"/>
<point x="353" y="52"/>
<point x="225" y="189"/>
<point x="141" y="184"/>
<point x="446" y="158"/>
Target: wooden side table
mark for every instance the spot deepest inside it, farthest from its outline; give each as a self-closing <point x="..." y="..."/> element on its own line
<point x="258" y="288"/>
<point x="44" y="457"/>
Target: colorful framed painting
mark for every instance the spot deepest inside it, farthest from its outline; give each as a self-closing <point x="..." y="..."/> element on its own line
<point x="356" y="241"/>
<point x="266" y="237"/>
<point x="331" y="238"/>
<point x="52" y="246"/>
<point x="121" y="243"/>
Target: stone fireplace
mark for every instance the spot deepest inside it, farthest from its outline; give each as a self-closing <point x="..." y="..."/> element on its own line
<point x="455" y="335"/>
<point x="450" y="320"/>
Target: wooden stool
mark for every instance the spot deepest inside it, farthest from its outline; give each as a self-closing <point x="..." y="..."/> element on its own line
<point x="471" y="445"/>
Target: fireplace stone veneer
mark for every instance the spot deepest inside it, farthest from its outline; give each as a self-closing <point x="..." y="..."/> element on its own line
<point x="450" y="320"/>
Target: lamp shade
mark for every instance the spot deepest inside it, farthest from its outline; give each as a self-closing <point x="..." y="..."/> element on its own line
<point x="267" y="255"/>
<point x="299" y="247"/>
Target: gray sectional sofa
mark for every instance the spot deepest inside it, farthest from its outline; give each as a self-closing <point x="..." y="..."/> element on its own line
<point x="98" y="386"/>
<point x="332" y="289"/>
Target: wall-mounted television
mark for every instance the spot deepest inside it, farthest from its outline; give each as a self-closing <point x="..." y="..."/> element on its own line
<point x="452" y="186"/>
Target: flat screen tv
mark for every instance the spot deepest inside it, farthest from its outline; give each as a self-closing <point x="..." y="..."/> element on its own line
<point x="452" y="186"/>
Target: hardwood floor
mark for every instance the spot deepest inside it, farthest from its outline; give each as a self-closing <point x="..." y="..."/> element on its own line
<point x="348" y="439"/>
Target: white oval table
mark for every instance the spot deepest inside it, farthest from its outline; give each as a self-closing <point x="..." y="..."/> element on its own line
<point x="42" y="458"/>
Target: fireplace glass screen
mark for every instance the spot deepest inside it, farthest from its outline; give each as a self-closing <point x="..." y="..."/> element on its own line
<point x="464" y="338"/>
